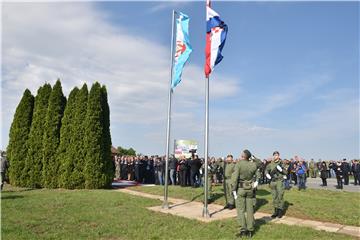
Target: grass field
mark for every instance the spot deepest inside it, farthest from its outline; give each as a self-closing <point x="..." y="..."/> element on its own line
<point x="323" y="205"/>
<point x="106" y="214"/>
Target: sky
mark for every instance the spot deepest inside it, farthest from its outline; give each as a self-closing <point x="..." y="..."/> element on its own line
<point x="289" y="80"/>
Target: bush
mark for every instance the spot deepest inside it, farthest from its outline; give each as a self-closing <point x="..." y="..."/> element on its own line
<point x="18" y="136"/>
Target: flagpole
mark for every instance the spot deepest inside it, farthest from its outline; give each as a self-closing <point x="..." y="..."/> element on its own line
<point x="206" y="187"/>
<point x="166" y="191"/>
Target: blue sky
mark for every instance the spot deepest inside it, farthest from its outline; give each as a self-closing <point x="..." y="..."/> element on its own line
<point x="289" y="80"/>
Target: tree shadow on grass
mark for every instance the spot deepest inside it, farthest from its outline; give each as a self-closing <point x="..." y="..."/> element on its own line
<point x="10" y="189"/>
<point x="11" y="197"/>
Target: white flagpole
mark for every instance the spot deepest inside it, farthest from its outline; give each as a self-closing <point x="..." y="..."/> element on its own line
<point x="206" y="213"/>
<point x="165" y="203"/>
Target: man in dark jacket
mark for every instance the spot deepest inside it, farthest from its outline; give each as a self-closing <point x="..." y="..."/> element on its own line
<point x="346" y="171"/>
<point x="182" y="171"/>
<point x="355" y="167"/>
<point x="339" y="175"/>
<point x="195" y="165"/>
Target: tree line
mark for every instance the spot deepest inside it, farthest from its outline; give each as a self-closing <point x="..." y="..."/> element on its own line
<point x="126" y="152"/>
<point x="56" y="142"/>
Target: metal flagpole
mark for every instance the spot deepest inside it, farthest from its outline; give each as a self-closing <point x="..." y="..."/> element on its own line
<point x="206" y="187"/>
<point x="165" y="203"/>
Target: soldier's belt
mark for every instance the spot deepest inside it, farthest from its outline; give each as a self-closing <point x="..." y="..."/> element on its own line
<point x="245" y="184"/>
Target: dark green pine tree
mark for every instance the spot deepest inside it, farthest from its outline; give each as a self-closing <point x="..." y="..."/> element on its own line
<point x="96" y="175"/>
<point x="107" y="159"/>
<point x="50" y="170"/>
<point x="18" y="136"/>
<point x="64" y="152"/>
<point x="33" y="164"/>
<point x="78" y="150"/>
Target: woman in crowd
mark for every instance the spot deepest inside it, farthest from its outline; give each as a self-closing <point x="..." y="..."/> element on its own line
<point x="130" y="168"/>
<point x="323" y="173"/>
<point x="182" y="171"/>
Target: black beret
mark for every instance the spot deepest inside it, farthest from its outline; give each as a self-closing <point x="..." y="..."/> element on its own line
<point x="247" y="153"/>
<point x="276" y="152"/>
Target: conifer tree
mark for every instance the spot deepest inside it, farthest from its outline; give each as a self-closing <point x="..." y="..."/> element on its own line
<point x="78" y="150"/>
<point x="33" y="163"/>
<point x="18" y="136"/>
<point x="95" y="166"/>
<point x="67" y="143"/>
<point x="107" y="158"/>
<point x="50" y="170"/>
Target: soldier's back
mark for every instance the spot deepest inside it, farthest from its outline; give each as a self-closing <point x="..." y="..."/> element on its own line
<point x="246" y="169"/>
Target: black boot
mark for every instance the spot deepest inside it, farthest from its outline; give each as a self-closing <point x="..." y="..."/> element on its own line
<point x="242" y="233"/>
<point x="275" y="214"/>
<point x="280" y="213"/>
<point x="226" y="206"/>
<point x="231" y="207"/>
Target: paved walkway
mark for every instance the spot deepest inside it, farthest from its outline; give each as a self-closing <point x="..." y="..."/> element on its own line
<point x="331" y="185"/>
<point x="193" y="210"/>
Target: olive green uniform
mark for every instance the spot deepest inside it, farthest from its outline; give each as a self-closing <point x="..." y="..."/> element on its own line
<point x="258" y="165"/>
<point x="211" y="173"/>
<point x="277" y="183"/>
<point x="312" y="169"/>
<point x="228" y="169"/>
<point x="245" y="172"/>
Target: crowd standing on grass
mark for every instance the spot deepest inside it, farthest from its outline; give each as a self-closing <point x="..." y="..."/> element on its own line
<point x="188" y="172"/>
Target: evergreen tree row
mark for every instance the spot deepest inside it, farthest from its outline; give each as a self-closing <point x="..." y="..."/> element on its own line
<point x="54" y="142"/>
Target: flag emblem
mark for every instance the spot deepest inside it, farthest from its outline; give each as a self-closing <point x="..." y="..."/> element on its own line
<point x="183" y="48"/>
<point x="216" y="31"/>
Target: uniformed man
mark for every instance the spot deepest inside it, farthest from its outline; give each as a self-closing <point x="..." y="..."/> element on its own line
<point x="245" y="180"/>
<point x="228" y="168"/>
<point x="312" y="168"/>
<point x="258" y="163"/>
<point x="211" y="172"/>
<point x="276" y="173"/>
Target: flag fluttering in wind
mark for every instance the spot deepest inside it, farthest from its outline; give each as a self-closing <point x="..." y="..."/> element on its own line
<point x="182" y="48"/>
<point x="216" y="31"/>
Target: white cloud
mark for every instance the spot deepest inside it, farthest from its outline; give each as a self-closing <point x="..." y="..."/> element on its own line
<point x="162" y="5"/>
<point x="74" y="42"/>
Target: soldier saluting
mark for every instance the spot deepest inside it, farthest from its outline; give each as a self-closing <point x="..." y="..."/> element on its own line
<point x="228" y="167"/>
<point x="244" y="181"/>
<point x="276" y="173"/>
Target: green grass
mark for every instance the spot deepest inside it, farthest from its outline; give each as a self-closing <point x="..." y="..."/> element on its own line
<point x="106" y="214"/>
<point x="323" y="205"/>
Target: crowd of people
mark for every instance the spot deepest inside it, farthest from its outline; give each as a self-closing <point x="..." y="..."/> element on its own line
<point x="189" y="171"/>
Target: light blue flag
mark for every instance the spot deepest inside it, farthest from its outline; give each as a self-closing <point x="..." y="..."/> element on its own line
<point x="183" y="48"/>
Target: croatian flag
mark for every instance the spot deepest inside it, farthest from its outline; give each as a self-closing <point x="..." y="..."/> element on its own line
<point x="183" y="48"/>
<point x="216" y="31"/>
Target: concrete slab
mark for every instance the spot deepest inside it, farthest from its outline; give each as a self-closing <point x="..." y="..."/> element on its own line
<point x="193" y="210"/>
<point x="310" y="223"/>
<point x="289" y="221"/>
<point x="327" y="229"/>
<point x="350" y="230"/>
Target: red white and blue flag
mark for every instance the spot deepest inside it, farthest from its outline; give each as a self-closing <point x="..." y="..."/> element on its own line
<point x="216" y="31"/>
